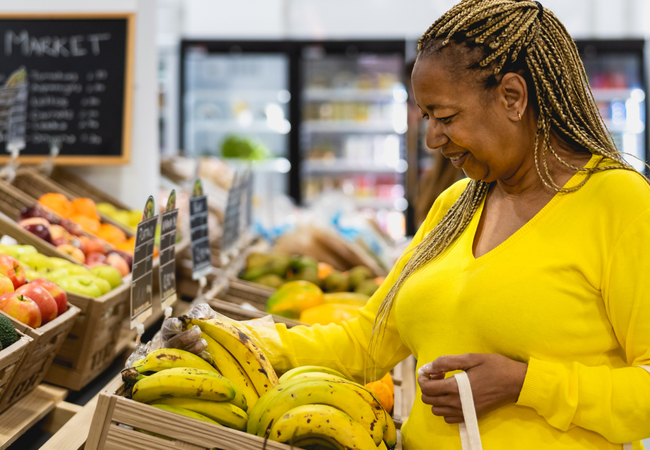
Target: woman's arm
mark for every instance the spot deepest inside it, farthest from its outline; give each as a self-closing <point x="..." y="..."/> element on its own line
<point x="612" y="402"/>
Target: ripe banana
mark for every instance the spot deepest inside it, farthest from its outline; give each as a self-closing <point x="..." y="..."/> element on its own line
<point x="315" y="391"/>
<point x="185" y="412"/>
<point x="163" y="385"/>
<point x="382" y="446"/>
<point x="316" y="444"/>
<point x="324" y="422"/>
<point x="231" y="369"/>
<point x="165" y="358"/>
<point x="222" y="412"/>
<point x="244" y="349"/>
<point x="306" y="369"/>
<point x="239" y="400"/>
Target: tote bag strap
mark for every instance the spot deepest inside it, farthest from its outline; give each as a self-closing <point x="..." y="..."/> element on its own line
<point x="470" y="437"/>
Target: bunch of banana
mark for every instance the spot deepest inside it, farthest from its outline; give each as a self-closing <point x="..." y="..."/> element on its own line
<point x="181" y="382"/>
<point x="237" y="357"/>
<point x="315" y="406"/>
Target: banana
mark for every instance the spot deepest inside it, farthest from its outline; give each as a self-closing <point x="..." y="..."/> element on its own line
<point x="390" y="433"/>
<point x="239" y="400"/>
<point x="382" y="446"/>
<point x="315" y="391"/>
<point x="316" y="444"/>
<point x="324" y="422"/>
<point x="231" y="369"/>
<point x="243" y="348"/>
<point x="222" y="412"/>
<point x="162" y="385"/>
<point x="185" y="412"/>
<point x="306" y="369"/>
<point x="165" y="358"/>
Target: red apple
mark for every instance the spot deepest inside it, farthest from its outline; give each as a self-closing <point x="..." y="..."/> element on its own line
<point x="21" y="308"/>
<point x="95" y="259"/>
<point x="90" y="245"/>
<point x="37" y="226"/>
<point x="59" y="295"/>
<point x="12" y="269"/>
<point x="73" y="251"/>
<point x="37" y="211"/>
<point x="42" y="298"/>
<point x="128" y="257"/>
<point x="115" y="260"/>
<point x="72" y="227"/>
<point x="5" y="285"/>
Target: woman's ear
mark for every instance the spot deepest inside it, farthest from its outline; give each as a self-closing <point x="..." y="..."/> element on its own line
<point x="514" y="94"/>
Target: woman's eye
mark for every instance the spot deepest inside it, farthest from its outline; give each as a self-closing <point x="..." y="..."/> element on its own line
<point x="425" y="116"/>
<point x="445" y="120"/>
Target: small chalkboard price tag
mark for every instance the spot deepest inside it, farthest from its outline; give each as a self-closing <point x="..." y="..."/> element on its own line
<point x="201" y="258"/>
<point x="168" y="252"/>
<point x="232" y="216"/>
<point x="142" y="273"/>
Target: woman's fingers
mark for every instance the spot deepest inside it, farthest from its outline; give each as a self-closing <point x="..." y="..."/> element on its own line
<point x="452" y="401"/>
<point x="438" y="387"/>
<point x="446" y="411"/>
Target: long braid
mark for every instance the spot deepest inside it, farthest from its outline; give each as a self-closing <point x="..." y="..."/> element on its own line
<point x="512" y="35"/>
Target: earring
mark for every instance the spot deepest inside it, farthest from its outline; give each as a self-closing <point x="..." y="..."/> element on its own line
<point x="519" y="114"/>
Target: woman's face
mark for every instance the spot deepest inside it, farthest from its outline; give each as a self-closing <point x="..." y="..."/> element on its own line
<point x="471" y="126"/>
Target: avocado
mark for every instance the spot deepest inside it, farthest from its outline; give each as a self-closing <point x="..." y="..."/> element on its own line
<point x="358" y="275"/>
<point x="272" y="281"/>
<point x="307" y="274"/>
<point x="8" y="333"/>
<point x="299" y="263"/>
<point x="367" y="287"/>
<point x="336" y="282"/>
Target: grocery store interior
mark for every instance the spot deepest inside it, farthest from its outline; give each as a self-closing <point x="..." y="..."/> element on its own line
<point x="166" y="153"/>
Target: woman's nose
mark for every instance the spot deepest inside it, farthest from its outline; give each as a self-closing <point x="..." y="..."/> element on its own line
<point x="435" y="135"/>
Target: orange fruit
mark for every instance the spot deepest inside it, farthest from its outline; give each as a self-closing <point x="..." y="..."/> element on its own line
<point x="127" y="246"/>
<point x="57" y="203"/>
<point x="110" y="233"/>
<point x="383" y="393"/>
<point x="88" y="224"/>
<point x="85" y="207"/>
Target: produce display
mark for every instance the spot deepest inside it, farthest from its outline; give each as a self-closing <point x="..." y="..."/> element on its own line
<point x="28" y="264"/>
<point x="70" y="237"/>
<point x="276" y="269"/>
<point x="34" y="302"/>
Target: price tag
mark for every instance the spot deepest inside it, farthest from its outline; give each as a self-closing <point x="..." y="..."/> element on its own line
<point x="232" y="216"/>
<point x="168" y="252"/>
<point x="142" y="273"/>
<point x="249" y="201"/>
<point x="201" y="258"/>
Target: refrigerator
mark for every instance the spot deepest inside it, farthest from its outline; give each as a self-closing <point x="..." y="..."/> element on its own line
<point x="617" y="75"/>
<point x="330" y="117"/>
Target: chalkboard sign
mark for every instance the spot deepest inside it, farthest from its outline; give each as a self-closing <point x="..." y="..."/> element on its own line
<point x="79" y="82"/>
<point x="199" y="233"/>
<point x="167" y="272"/>
<point x="142" y="271"/>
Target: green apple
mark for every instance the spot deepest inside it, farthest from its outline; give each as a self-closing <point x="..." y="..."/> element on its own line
<point x="101" y="283"/>
<point x="32" y="274"/>
<point x="106" y="208"/>
<point x="108" y="273"/>
<point x="75" y="269"/>
<point x="55" y="275"/>
<point x="36" y="261"/>
<point x="80" y="285"/>
<point x="17" y="251"/>
<point x="60" y="262"/>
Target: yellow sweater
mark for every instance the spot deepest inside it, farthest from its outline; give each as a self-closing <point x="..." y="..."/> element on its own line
<point x="568" y="293"/>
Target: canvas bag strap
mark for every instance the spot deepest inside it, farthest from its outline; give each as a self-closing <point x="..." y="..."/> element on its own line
<point x="470" y="437"/>
<point x="628" y="446"/>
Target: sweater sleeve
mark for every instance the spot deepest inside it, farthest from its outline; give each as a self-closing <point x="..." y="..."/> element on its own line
<point x="343" y="347"/>
<point x="610" y="401"/>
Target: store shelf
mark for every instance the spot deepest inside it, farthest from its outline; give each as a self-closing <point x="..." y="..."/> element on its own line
<point x="349" y="94"/>
<point x="608" y="95"/>
<point x="232" y="126"/>
<point x="349" y="126"/>
<point x="345" y="166"/>
<point x="227" y="95"/>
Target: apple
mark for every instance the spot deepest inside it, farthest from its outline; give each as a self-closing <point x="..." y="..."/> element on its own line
<point x="17" y="251"/>
<point x="128" y="257"/>
<point x="101" y="283"/>
<point x="119" y="263"/>
<point x="5" y="285"/>
<point x="12" y="269"/>
<point x="58" y="294"/>
<point x="90" y="245"/>
<point x="37" y="211"/>
<point x="21" y="308"/>
<point x="78" y="270"/>
<point x="95" y="259"/>
<point x="38" y="227"/>
<point x="80" y="284"/>
<point x="35" y="261"/>
<point x="42" y="298"/>
<point x="73" y="251"/>
<point x="31" y="274"/>
<point x="72" y="227"/>
<point x="55" y="275"/>
<point x="108" y="273"/>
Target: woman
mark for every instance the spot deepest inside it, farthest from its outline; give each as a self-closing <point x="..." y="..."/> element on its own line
<point x="530" y="275"/>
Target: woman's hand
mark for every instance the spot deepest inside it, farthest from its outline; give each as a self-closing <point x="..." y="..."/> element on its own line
<point x="496" y="381"/>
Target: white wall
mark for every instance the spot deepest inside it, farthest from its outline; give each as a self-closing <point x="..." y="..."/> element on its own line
<point x="134" y="182"/>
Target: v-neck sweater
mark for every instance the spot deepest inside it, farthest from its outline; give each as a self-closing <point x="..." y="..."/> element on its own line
<point x="568" y="293"/>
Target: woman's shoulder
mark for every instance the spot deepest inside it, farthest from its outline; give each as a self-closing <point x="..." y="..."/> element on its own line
<point x="621" y="188"/>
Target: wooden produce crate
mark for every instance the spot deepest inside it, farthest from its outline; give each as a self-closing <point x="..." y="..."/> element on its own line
<point x="117" y="418"/>
<point x="10" y="360"/>
<point x="35" y="184"/>
<point x="40" y="353"/>
<point x="92" y="342"/>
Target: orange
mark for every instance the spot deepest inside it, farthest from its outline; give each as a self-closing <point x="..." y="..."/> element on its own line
<point x="385" y="396"/>
<point x="88" y="224"/>
<point x="324" y="270"/>
<point x="110" y="233"/>
<point x="127" y="246"/>
<point x="85" y="207"/>
<point x="57" y="203"/>
<point x="388" y="381"/>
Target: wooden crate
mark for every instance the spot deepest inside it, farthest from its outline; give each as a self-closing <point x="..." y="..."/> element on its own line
<point x="117" y="418"/>
<point x="10" y="360"/>
<point x="80" y="188"/>
<point x="91" y="345"/>
<point x="40" y="353"/>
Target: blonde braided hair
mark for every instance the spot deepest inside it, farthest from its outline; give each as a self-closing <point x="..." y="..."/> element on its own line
<point x="512" y="35"/>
